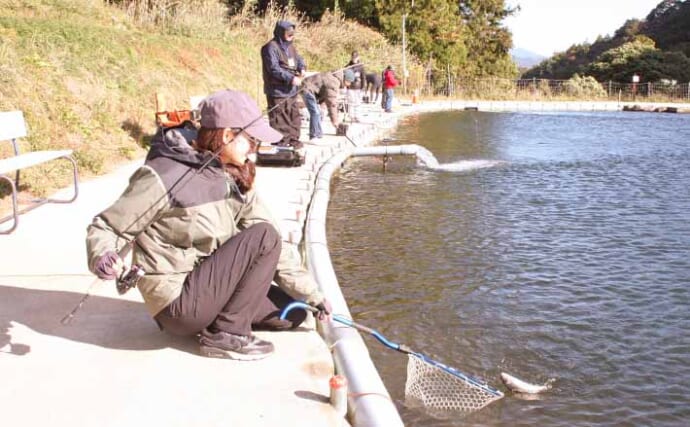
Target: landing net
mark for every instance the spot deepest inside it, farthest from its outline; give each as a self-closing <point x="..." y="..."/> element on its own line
<point x="444" y="389"/>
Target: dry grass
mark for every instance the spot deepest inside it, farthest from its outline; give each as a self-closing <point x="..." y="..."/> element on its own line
<point x="85" y="73"/>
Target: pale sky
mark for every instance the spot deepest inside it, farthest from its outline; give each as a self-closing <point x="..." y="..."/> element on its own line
<point x="549" y="26"/>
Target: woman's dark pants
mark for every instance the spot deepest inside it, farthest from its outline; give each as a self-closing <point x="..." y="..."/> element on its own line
<point x="229" y="290"/>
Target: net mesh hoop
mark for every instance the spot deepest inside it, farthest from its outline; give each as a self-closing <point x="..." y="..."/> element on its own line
<point x="444" y="390"/>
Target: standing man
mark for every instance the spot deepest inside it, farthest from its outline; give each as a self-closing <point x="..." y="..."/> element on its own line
<point x="354" y="92"/>
<point x="373" y="86"/>
<point x="389" y="82"/>
<point x="283" y="70"/>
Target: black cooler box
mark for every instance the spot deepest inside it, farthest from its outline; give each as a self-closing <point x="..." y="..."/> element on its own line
<point x="273" y="155"/>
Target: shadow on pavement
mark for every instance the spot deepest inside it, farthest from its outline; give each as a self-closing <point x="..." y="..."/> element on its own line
<point x="106" y="322"/>
<point x="310" y="395"/>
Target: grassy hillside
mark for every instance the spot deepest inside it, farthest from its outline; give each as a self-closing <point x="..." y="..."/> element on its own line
<point x="85" y="73"/>
<point x="657" y="48"/>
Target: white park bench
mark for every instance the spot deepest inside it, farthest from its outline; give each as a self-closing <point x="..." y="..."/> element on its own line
<point x="13" y="126"/>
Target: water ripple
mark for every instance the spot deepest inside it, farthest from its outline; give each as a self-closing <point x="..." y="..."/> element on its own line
<point x="563" y="252"/>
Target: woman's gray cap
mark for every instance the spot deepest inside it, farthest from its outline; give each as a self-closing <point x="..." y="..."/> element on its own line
<point x="232" y="109"/>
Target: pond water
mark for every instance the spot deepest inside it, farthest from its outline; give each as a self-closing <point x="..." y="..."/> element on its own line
<point x="546" y="245"/>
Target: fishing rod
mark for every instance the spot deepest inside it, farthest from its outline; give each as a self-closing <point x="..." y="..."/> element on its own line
<point x="129" y="277"/>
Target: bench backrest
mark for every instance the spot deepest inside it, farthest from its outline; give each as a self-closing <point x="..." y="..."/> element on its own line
<point x="12" y="125"/>
<point x="194" y="101"/>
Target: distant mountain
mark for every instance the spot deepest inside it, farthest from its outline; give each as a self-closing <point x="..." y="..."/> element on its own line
<point x="656" y="48"/>
<point x="525" y="58"/>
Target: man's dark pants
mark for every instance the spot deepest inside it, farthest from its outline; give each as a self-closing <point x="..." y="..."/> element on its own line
<point x="285" y="118"/>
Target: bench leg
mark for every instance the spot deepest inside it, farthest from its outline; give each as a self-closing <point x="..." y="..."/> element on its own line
<point x="15" y="148"/>
<point x="76" y="183"/>
<point x="15" y="213"/>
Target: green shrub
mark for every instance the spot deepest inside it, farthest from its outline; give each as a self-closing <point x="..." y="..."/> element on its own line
<point x="584" y="87"/>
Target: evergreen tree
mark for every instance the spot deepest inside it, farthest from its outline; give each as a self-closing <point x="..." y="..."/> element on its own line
<point x="488" y="41"/>
<point x="640" y="57"/>
<point x="467" y="37"/>
<point x="669" y="25"/>
<point x="432" y="27"/>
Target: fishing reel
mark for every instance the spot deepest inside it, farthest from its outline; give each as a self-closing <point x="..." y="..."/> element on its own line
<point x="129" y="278"/>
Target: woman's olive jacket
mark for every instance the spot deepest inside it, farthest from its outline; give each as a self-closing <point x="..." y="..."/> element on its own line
<point x="180" y="214"/>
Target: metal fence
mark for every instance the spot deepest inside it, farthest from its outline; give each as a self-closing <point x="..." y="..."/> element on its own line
<point x="544" y="89"/>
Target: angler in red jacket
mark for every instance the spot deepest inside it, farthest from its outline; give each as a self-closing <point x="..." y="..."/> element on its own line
<point x="389" y="82"/>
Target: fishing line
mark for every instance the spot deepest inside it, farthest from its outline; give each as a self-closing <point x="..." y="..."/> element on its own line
<point x="169" y="193"/>
<point x="8" y="276"/>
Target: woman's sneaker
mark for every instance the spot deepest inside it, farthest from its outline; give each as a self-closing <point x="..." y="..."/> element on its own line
<point x="225" y="345"/>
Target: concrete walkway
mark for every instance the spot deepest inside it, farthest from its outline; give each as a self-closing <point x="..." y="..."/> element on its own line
<point x="111" y="366"/>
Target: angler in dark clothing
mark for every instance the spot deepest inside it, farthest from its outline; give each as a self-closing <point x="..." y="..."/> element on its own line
<point x="354" y="92"/>
<point x="373" y="88"/>
<point x="283" y="70"/>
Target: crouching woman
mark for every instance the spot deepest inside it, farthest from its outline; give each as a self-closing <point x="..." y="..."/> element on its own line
<point x="207" y="243"/>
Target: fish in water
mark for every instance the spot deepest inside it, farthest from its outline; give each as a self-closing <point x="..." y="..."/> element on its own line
<point x="520" y="386"/>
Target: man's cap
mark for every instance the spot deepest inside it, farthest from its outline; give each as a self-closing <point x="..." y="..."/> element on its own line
<point x="236" y="110"/>
<point x="349" y="75"/>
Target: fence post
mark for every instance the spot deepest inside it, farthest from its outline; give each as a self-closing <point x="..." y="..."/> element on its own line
<point x="448" y="74"/>
<point x="517" y="88"/>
